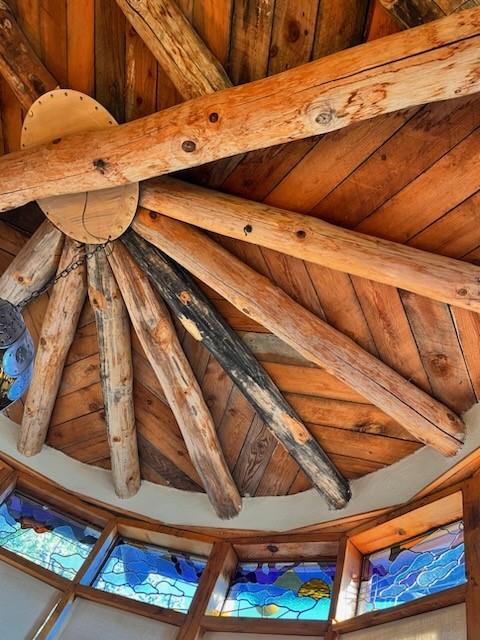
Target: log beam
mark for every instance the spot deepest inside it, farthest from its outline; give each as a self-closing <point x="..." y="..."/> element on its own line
<point x="33" y="266"/>
<point x="19" y="65"/>
<point x="435" y="62"/>
<point x="181" y="53"/>
<point x="314" y="240"/>
<point x="116" y="373"/>
<point x="203" y="322"/>
<point x="56" y="337"/>
<point x="256" y="296"/>
<point x="412" y="13"/>
<point x="158" y="338"/>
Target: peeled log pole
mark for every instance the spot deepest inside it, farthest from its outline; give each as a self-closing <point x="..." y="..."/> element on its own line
<point x="158" y="338"/>
<point x="33" y="266"/>
<point x="434" y="62"/>
<point x="201" y="320"/>
<point x="311" y="239"/>
<point x="189" y="64"/>
<point x="257" y="297"/>
<point x="56" y="337"/>
<point x="116" y="372"/>
<point x="19" y="65"/>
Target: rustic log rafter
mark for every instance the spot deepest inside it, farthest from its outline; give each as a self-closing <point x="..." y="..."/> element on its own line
<point x="311" y="239"/>
<point x="412" y="13"/>
<point x="201" y="320"/>
<point x="325" y="95"/>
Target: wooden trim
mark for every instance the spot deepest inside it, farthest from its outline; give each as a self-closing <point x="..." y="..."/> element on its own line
<point x="57" y="617"/>
<point x="324" y="95"/>
<point x="34" y="570"/>
<point x="130" y="606"/>
<point x="165" y="537"/>
<point x="350" y="576"/>
<point x="471" y="519"/>
<point x="416" y="607"/>
<point x="265" y="626"/>
<point x="97" y="555"/>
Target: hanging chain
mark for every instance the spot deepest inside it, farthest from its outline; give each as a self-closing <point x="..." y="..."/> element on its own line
<point x="63" y="274"/>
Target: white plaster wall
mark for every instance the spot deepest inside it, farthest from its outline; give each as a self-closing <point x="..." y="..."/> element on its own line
<point x="24" y="603"/>
<point x="89" y="620"/>
<point x="384" y="488"/>
<point x="444" y="624"/>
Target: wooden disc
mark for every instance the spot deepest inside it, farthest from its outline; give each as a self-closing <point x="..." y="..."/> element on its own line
<point x="91" y="217"/>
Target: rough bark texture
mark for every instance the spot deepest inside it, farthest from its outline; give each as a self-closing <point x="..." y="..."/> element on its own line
<point x="202" y="322"/>
<point x="257" y="297"/>
<point x="435" y="62"/>
<point x="116" y="371"/>
<point x="158" y="338"/>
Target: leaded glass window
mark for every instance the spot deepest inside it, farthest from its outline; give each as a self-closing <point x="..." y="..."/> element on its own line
<point x="40" y="534"/>
<point x="151" y="574"/>
<point x="412" y="569"/>
<point x="288" y="590"/>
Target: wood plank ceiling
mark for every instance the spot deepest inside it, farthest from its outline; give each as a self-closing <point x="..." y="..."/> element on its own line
<point x="411" y="177"/>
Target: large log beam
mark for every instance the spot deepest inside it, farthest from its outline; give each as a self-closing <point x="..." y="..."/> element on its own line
<point x="257" y="297"/>
<point x="412" y="13"/>
<point x="314" y="240"/>
<point x="56" y="337"/>
<point x="116" y="373"/>
<point x="19" y="65"/>
<point x="168" y="34"/>
<point x="158" y="338"/>
<point x="33" y="266"/>
<point x="434" y="62"/>
<point x="201" y="320"/>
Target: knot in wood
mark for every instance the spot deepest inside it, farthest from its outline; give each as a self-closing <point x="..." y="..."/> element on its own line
<point x="324" y="117"/>
<point x="189" y="146"/>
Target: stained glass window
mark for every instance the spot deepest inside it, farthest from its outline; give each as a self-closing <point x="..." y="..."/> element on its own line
<point x="150" y="574"/>
<point x="37" y="532"/>
<point x="289" y="590"/>
<point x="412" y="569"/>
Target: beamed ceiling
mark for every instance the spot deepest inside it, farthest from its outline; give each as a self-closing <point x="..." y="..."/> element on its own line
<point x="411" y="176"/>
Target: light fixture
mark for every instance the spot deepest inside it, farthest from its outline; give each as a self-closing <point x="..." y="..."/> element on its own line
<point x="16" y="354"/>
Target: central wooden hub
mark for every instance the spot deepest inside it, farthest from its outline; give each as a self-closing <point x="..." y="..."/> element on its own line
<point x="92" y="217"/>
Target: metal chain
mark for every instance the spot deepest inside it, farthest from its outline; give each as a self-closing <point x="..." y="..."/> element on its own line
<point x="63" y="274"/>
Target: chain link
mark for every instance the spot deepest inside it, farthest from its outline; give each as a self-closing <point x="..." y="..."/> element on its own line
<point x="63" y="274"/>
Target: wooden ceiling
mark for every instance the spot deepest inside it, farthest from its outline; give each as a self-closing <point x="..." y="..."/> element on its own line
<point x="411" y="176"/>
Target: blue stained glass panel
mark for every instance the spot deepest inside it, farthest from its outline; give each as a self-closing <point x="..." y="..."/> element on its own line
<point x="418" y="567"/>
<point x="288" y="590"/>
<point x="37" y="532"/>
<point x="151" y="574"/>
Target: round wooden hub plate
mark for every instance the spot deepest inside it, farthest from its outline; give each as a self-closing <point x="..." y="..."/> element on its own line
<point x="92" y="217"/>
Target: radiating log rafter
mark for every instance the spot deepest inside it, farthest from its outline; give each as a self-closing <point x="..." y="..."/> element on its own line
<point x="435" y="62"/>
<point x="56" y="337"/>
<point x="116" y="373"/>
<point x="158" y="338"/>
<point x="201" y="320"/>
<point x="256" y="296"/>
<point x="314" y="240"/>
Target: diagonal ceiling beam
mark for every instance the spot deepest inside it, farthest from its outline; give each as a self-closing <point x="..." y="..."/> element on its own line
<point x="314" y="240"/>
<point x="434" y="62"/>
<point x="257" y="297"/>
<point x="19" y="65"/>
<point x="56" y="337"/>
<point x="168" y="34"/>
<point x="411" y="13"/>
<point x="158" y="338"/>
<point x="205" y="324"/>
<point x="116" y="374"/>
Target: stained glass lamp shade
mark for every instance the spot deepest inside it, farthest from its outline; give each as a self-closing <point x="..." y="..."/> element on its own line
<point x="418" y="567"/>
<point x="40" y="534"/>
<point x="16" y="355"/>
<point x="154" y="575"/>
<point x="289" y="590"/>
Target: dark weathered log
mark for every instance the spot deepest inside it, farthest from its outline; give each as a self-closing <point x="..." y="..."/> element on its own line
<point x="201" y="320"/>
<point x="159" y="340"/>
<point x="257" y="297"/>
<point x="56" y="337"/>
<point x="435" y="62"/>
<point x="181" y="53"/>
<point x="19" y="65"/>
<point x="412" y="13"/>
<point x="116" y="371"/>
